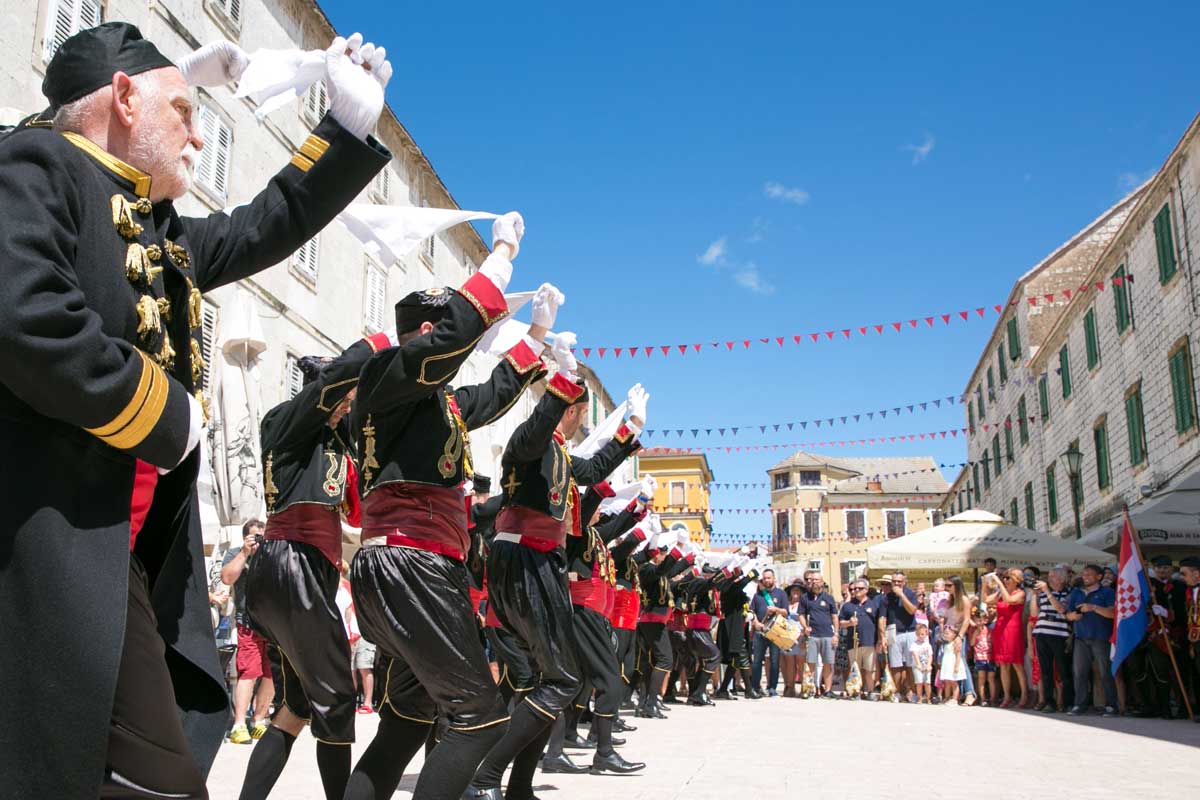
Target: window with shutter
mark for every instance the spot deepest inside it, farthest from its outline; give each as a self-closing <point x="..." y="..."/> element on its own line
<point x="1023" y="420"/>
<point x="1183" y="390"/>
<point x="1100" y="443"/>
<point x="856" y="524"/>
<point x="678" y="494"/>
<point x="1091" y="338"/>
<point x="991" y="383"/>
<point x="65" y="18"/>
<point x="996" y="455"/>
<point x="897" y="523"/>
<point x="975" y="476"/>
<point x="375" y="301"/>
<point x="1164" y="244"/>
<point x="212" y="171"/>
<point x="979" y="402"/>
<point x="970" y="419"/>
<point x="1122" y="299"/>
<point x="812" y="524"/>
<point x="316" y="102"/>
<point x="1002" y="362"/>
<point x="305" y="260"/>
<point x="1030" y="521"/>
<point x="987" y="472"/>
<point x="1013" y="517"/>
<point x="1051" y="495"/>
<point x="381" y="186"/>
<point x="1135" y="426"/>
<point x="293" y="378"/>
<point x="1008" y="448"/>
<point x="1064" y="371"/>
<point x="208" y="344"/>
<point x="1044" y="396"/>
<point x="1014" y="340"/>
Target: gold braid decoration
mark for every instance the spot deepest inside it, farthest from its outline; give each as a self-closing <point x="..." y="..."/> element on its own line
<point x="369" y="463"/>
<point x="195" y="307"/>
<point x="197" y="362"/>
<point x="166" y="354"/>
<point x="122" y="217"/>
<point x="179" y="255"/>
<point x="269" y="488"/>
<point x="148" y="312"/>
<point x="138" y="264"/>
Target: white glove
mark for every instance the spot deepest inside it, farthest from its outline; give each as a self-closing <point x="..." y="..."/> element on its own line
<point x="1159" y="611"/>
<point x="638" y="398"/>
<point x="356" y="75"/>
<point x="655" y="522"/>
<point x="663" y="539"/>
<point x="744" y="549"/>
<point x="509" y="228"/>
<point x="215" y="64"/>
<point x="648" y="485"/>
<point x="561" y="351"/>
<point x="684" y="537"/>
<point x="545" y="305"/>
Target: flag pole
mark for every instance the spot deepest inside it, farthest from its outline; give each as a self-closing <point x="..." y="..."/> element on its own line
<point x="1162" y="629"/>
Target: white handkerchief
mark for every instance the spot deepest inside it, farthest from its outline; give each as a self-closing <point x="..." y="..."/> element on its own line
<point x="504" y="335"/>
<point x="621" y="497"/>
<point x="604" y="432"/>
<point x="392" y="232"/>
<point x="273" y="78"/>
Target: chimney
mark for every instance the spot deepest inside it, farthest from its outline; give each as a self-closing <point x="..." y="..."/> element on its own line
<point x="874" y="486"/>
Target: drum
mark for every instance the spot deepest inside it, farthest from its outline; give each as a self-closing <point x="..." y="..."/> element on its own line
<point x="782" y="632"/>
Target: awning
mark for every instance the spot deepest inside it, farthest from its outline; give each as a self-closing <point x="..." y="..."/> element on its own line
<point x="1168" y="520"/>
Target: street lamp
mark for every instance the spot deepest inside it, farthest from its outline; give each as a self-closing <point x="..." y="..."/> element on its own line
<point x="1074" y="460"/>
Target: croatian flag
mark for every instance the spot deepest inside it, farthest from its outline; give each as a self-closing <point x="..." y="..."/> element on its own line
<point x="1133" y="593"/>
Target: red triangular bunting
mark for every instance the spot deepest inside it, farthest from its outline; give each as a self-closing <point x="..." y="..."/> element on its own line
<point x="587" y="351"/>
<point x="600" y="352"/>
<point x="964" y="315"/>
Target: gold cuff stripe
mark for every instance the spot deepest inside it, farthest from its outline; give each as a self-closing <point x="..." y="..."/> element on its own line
<point x="139" y="179"/>
<point x="314" y="147"/>
<point x="129" y="428"/>
<point x="301" y="163"/>
<point x="480" y="727"/>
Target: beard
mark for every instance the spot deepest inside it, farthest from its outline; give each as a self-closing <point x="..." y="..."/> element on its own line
<point x="170" y="170"/>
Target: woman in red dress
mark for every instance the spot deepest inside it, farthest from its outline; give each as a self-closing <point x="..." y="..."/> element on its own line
<point x="1003" y="590"/>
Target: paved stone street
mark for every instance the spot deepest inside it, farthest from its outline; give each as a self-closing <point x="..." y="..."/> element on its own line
<point x="825" y="748"/>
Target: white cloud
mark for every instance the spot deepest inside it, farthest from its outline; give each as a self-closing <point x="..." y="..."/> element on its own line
<point x="715" y="254"/>
<point x="748" y="277"/>
<point x="921" y="151"/>
<point x="758" y="230"/>
<point x="1129" y="180"/>
<point x="786" y="194"/>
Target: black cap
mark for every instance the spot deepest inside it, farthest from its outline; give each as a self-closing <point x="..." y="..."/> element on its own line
<point x="1190" y="561"/>
<point x="583" y="396"/>
<point x="1161" y="561"/>
<point x="482" y="484"/>
<point x="429" y="305"/>
<point x="88" y="60"/>
<point x="311" y="366"/>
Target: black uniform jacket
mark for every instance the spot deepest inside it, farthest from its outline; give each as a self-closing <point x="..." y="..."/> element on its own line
<point x="541" y="479"/>
<point x="483" y="528"/>
<point x="99" y="348"/>
<point x="656" y="588"/>
<point x="412" y="428"/>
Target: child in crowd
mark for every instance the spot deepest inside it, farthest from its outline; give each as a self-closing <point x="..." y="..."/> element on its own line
<point x="981" y="645"/>
<point x="922" y="661"/>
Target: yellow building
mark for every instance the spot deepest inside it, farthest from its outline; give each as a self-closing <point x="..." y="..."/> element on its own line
<point x="826" y="511"/>
<point x="682" y="496"/>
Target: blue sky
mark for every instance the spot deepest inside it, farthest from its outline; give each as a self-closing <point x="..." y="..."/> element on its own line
<point x="840" y="166"/>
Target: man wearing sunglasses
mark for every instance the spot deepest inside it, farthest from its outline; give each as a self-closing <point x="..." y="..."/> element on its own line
<point x="859" y="619"/>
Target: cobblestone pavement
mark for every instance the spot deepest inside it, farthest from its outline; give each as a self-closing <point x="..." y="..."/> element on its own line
<point x="839" y="749"/>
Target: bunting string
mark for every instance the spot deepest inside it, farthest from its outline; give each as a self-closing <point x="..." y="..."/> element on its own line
<point x="717" y="486"/>
<point x="857" y="331"/>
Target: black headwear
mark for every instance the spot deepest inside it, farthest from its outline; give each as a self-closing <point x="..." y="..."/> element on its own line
<point x="1190" y="561"/>
<point x="311" y="366"/>
<point x="415" y="308"/>
<point x="583" y="397"/>
<point x="482" y="484"/>
<point x="1161" y="561"/>
<point x="89" y="59"/>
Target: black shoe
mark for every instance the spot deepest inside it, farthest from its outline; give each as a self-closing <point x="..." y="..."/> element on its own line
<point x="753" y="694"/>
<point x="574" y="740"/>
<point x="614" y="763"/>
<point x="594" y="743"/>
<point x="1109" y="711"/>
<point x="671" y="700"/>
<point x="649" y="713"/>
<point x="621" y="726"/>
<point x="475" y="793"/>
<point x="724" y="695"/>
<point x="563" y="764"/>
<point x="1076" y="711"/>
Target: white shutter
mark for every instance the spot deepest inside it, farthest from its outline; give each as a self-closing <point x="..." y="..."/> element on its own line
<point x="381" y="185"/>
<point x="316" y="102"/>
<point x="305" y="259"/>
<point x="213" y="170"/>
<point x="64" y="18"/>
<point x="208" y="344"/>
<point x="293" y="378"/>
<point x="376" y="298"/>
<point x="233" y="8"/>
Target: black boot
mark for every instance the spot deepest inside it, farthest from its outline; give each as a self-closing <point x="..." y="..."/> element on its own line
<point x="621" y="726"/>
<point x="614" y="763"/>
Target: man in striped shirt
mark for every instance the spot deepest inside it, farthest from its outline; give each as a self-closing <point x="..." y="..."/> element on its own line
<point x="1050" y="635"/>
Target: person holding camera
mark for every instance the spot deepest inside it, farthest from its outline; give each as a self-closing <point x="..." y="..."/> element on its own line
<point x="1051" y="633"/>
<point x="1004" y="591"/>
<point x="251" y="660"/>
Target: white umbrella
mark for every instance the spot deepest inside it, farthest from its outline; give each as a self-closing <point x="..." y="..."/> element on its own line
<point x="1169" y="520"/>
<point x="965" y="540"/>
<point x="237" y="468"/>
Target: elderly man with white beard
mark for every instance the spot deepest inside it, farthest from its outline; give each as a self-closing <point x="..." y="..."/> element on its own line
<point x="100" y="366"/>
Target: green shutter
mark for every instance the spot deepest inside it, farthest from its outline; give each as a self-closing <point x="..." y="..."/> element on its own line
<point x="1030" y="521"/>
<point x="1044" y="396"/>
<point x="1012" y="512"/>
<point x="1091" y="339"/>
<point x="996" y="454"/>
<point x="1136" y="429"/>
<point x="1051" y="495"/>
<point x="991" y="379"/>
<point x="1023" y="420"/>
<point x="1008" y="453"/>
<point x="1100" y="441"/>
<point x="971" y="419"/>
<point x="979" y="402"/>
<point x="1121" y="300"/>
<point x="1014" y="340"/>
<point x="1003" y="363"/>
<point x="987" y="472"/>
<point x="1064" y="371"/>
<point x="978" y="491"/>
<point x="1164" y="243"/>
<point x="1183" y="392"/>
